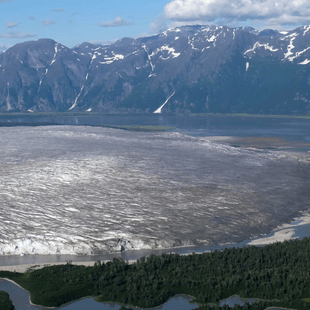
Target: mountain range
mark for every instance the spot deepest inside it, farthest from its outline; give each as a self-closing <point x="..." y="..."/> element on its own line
<point x="189" y="69"/>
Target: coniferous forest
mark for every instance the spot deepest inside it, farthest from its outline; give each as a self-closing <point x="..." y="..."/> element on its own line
<point x="276" y="275"/>
<point x="5" y="302"/>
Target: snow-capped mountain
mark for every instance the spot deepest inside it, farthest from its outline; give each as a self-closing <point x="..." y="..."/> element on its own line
<point x="196" y="69"/>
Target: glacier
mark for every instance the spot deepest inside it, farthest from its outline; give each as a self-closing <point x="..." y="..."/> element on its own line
<point x="90" y="190"/>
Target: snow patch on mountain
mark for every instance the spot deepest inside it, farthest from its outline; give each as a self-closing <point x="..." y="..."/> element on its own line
<point x="212" y="39"/>
<point x="307" y="28"/>
<point x="297" y="54"/>
<point x="55" y="54"/>
<point x="191" y="42"/>
<point x="174" y="30"/>
<point x="82" y="88"/>
<point x="305" y="62"/>
<point x="294" y="34"/>
<point x="79" y="94"/>
<point x="170" y="50"/>
<point x="206" y="29"/>
<point x="160" y="108"/>
<point x="289" y="49"/>
<point x="110" y="60"/>
<point x="8" y="104"/>
<point x="258" y="45"/>
<point x="150" y="60"/>
<point x="205" y="48"/>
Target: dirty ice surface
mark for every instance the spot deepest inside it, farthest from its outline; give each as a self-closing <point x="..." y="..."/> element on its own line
<point x="89" y="190"/>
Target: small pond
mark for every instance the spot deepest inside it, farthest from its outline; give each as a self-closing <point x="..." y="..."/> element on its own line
<point x="20" y="299"/>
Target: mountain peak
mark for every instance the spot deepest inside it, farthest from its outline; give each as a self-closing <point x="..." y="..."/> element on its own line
<point x="196" y="68"/>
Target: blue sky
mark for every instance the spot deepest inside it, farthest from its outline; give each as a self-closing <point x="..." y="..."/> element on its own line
<point x="104" y="21"/>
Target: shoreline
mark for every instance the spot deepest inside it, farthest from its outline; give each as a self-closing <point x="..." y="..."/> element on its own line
<point x="192" y="298"/>
<point x="25" y="267"/>
<point x="9" y="280"/>
<point x="283" y="232"/>
<point x="100" y="113"/>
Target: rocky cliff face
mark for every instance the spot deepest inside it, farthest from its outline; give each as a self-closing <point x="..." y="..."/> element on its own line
<point x="197" y="69"/>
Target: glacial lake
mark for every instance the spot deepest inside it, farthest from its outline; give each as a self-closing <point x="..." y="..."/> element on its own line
<point x="289" y="128"/>
<point x="20" y="299"/>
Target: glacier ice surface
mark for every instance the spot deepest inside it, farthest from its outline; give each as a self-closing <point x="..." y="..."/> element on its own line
<point x="90" y="190"/>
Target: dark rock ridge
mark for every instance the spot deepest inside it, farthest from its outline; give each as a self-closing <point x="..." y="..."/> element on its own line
<point x="190" y="69"/>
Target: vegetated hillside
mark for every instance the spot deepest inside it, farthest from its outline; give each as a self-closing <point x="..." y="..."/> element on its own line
<point x="277" y="274"/>
<point x="190" y="69"/>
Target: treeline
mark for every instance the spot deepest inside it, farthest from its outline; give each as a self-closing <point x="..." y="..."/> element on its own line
<point x="277" y="274"/>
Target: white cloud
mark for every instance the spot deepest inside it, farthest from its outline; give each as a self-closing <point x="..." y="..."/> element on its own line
<point x="272" y="11"/>
<point x="103" y="42"/>
<point x="176" y="24"/>
<point x="115" y="23"/>
<point x="47" y="22"/>
<point x="158" y="24"/>
<point x="58" y="10"/>
<point x="31" y="17"/>
<point x="17" y="35"/>
<point x="3" y="48"/>
<point x="11" y="24"/>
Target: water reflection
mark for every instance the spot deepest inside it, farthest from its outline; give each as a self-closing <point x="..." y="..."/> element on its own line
<point x="205" y="125"/>
<point x="20" y="299"/>
<point x="236" y="300"/>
